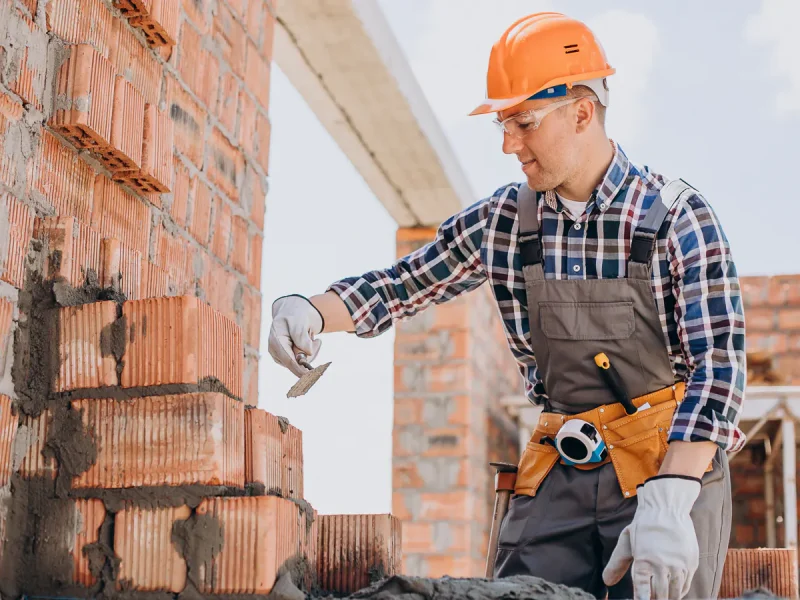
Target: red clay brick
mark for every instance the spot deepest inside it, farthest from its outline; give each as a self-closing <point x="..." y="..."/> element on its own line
<point x="149" y="561"/>
<point x="789" y="319"/>
<point x="63" y="178"/>
<point x="260" y="533"/>
<point x="256" y="254"/>
<point x="256" y="13"/>
<point x="251" y="324"/>
<point x="238" y="7"/>
<point x="85" y="254"/>
<point x="184" y="186"/>
<point x="221" y="241"/>
<point x="264" y="451"/>
<point x="155" y="175"/>
<point x="189" y="124"/>
<point x="82" y="22"/>
<point x="133" y="8"/>
<point x="8" y="430"/>
<point x="137" y="64"/>
<point x="26" y="76"/>
<point x="120" y="268"/>
<point x="352" y="547"/>
<point x="20" y="229"/>
<point x="84" y="356"/>
<point x="6" y="323"/>
<point x="255" y="188"/>
<point x="226" y="108"/>
<point x="772" y="568"/>
<point x="448" y="506"/>
<point x="160" y="26"/>
<point x="203" y="82"/>
<point x="121" y="215"/>
<point x="110" y="258"/>
<point x="86" y="83"/>
<point x="191" y="439"/>
<point x="72" y="249"/>
<point x="439" y="565"/>
<point x="257" y="75"/>
<point x="219" y="286"/>
<point x="34" y="463"/>
<point x="250" y="380"/>
<point x="89" y="516"/>
<point x="154" y="281"/>
<point x="263" y="132"/>
<point x="10" y="114"/>
<point x="240" y="244"/>
<point x="225" y="165"/>
<point x="201" y="214"/>
<point x="230" y="36"/>
<point x="124" y="151"/>
<point x="292" y="462"/>
<point x="180" y="340"/>
<point x="197" y="11"/>
<point x="176" y="257"/>
<point x="268" y="37"/>
<point x="247" y="126"/>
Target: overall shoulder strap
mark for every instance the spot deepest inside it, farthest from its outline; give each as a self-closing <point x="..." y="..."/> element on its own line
<point x="530" y="246"/>
<point x="644" y="237"/>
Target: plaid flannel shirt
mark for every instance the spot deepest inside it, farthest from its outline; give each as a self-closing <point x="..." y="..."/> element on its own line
<point x="694" y="282"/>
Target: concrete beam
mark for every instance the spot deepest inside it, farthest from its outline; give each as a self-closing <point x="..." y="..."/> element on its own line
<point x="343" y="58"/>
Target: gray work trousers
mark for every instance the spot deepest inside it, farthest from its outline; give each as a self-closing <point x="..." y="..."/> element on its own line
<point x="567" y="532"/>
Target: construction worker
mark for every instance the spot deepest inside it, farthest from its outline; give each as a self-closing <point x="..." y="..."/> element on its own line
<point x="621" y="304"/>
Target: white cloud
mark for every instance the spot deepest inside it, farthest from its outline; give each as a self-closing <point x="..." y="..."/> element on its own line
<point x="775" y="25"/>
<point x="631" y="43"/>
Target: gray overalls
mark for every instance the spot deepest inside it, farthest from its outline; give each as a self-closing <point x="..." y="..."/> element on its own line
<point x="567" y="531"/>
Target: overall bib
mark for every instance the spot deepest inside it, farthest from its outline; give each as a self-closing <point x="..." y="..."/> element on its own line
<point x="563" y="521"/>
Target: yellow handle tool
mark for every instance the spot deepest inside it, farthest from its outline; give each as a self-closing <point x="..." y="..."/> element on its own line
<point x="614" y="382"/>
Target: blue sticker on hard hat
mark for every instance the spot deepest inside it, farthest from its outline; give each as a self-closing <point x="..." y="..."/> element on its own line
<point x="552" y="92"/>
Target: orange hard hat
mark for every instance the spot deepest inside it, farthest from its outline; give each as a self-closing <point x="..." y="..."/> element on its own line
<point x="542" y="55"/>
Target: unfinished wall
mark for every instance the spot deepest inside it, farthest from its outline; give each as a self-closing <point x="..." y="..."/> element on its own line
<point x="450" y="369"/>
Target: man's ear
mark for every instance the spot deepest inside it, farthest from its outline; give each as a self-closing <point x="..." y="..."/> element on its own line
<point x="585" y="113"/>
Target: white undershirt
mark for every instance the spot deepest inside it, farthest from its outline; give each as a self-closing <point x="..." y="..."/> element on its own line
<point x="576" y="208"/>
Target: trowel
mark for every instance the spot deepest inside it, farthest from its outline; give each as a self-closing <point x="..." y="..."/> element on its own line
<point x="309" y="378"/>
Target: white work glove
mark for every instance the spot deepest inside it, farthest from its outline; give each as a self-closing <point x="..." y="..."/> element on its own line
<point x="660" y="541"/>
<point x="295" y="323"/>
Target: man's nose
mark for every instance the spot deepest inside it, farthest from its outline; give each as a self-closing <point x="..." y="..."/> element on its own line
<point x="511" y="144"/>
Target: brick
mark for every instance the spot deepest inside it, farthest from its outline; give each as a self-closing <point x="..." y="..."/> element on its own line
<point x="85" y="358"/>
<point x="124" y="151"/>
<point x="292" y="462"/>
<point x="121" y="215"/>
<point x="789" y="319"/>
<point x="72" y="249"/>
<point x="220" y="287"/>
<point x="160" y="26"/>
<point x="454" y="566"/>
<point x="268" y="37"/>
<point x="250" y="380"/>
<point x="772" y="343"/>
<point x="256" y="254"/>
<point x="6" y="329"/>
<point x="761" y="319"/>
<point x="133" y="8"/>
<point x="34" y="462"/>
<point x="82" y="22"/>
<point x="238" y="7"/>
<point x="784" y="290"/>
<point x="13" y="169"/>
<point x="89" y="516"/>
<point x="225" y="165"/>
<point x="192" y="52"/>
<point x="264" y="451"/>
<point x="155" y="175"/>
<point x="221" y="240"/>
<point x="448" y="506"/>
<point x="437" y="378"/>
<point x="14" y="246"/>
<point x="8" y="430"/>
<point x="240" y="244"/>
<point x="226" y="107"/>
<point x="230" y="37"/>
<point x="263" y="132"/>
<point x="180" y="340"/>
<point x="154" y="281"/>
<point x="434" y="346"/>
<point x="247" y="126"/>
<point x="352" y="547"/>
<point x="201" y="214"/>
<point x="189" y="120"/>
<point x="257" y="77"/>
<point x="63" y="178"/>
<point x="197" y="11"/>
<point x="176" y="257"/>
<point x="260" y="534"/>
<point x="251" y="321"/>
<point x="184" y="186"/>
<point x="195" y="438"/>
<point x="772" y="568"/>
<point x="137" y="64"/>
<point x="149" y="561"/>
<point x="85" y="94"/>
<point x="24" y="69"/>
<point x="256" y="14"/>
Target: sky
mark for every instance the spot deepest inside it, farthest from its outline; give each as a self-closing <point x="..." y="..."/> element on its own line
<point x="707" y="91"/>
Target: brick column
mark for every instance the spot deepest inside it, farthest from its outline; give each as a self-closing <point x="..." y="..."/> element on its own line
<point x="451" y="366"/>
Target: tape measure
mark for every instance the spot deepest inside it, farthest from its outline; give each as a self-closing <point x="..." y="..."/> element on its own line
<point x="579" y="443"/>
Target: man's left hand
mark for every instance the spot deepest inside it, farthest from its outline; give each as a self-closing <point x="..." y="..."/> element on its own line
<point x="660" y="541"/>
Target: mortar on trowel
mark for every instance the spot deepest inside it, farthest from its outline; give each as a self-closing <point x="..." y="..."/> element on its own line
<point x="308" y="379"/>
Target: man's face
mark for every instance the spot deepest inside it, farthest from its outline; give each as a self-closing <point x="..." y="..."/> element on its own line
<point x="549" y="154"/>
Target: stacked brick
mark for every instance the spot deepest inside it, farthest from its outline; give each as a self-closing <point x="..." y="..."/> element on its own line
<point x="132" y="201"/>
<point x="772" y="569"/>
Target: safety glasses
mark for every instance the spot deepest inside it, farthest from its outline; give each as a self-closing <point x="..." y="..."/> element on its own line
<point x="523" y="123"/>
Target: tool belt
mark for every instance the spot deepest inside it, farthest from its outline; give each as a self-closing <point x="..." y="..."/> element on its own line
<point x="636" y="443"/>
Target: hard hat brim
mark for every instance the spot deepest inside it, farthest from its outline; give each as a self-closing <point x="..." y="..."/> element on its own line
<point x="490" y="105"/>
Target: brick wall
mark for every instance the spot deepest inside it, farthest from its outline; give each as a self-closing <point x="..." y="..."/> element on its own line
<point x="450" y="370"/>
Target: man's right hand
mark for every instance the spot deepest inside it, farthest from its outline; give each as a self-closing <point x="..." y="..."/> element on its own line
<point x="295" y="324"/>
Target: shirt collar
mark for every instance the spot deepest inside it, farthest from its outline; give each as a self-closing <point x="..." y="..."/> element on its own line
<point x="611" y="184"/>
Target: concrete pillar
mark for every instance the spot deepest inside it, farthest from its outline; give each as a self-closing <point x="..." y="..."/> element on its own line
<point x="452" y="366"/>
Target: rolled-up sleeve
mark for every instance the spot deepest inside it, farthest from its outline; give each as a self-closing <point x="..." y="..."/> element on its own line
<point x="444" y="268"/>
<point x="711" y="328"/>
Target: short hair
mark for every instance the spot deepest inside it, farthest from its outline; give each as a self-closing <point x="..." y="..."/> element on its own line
<point x="584" y="91"/>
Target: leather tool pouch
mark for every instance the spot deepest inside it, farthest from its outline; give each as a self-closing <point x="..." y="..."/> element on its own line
<point x="637" y="443"/>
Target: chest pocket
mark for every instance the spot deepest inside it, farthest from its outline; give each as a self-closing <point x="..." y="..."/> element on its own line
<point x="587" y="320"/>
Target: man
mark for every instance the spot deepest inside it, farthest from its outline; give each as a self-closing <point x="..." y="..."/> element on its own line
<point x="621" y="304"/>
